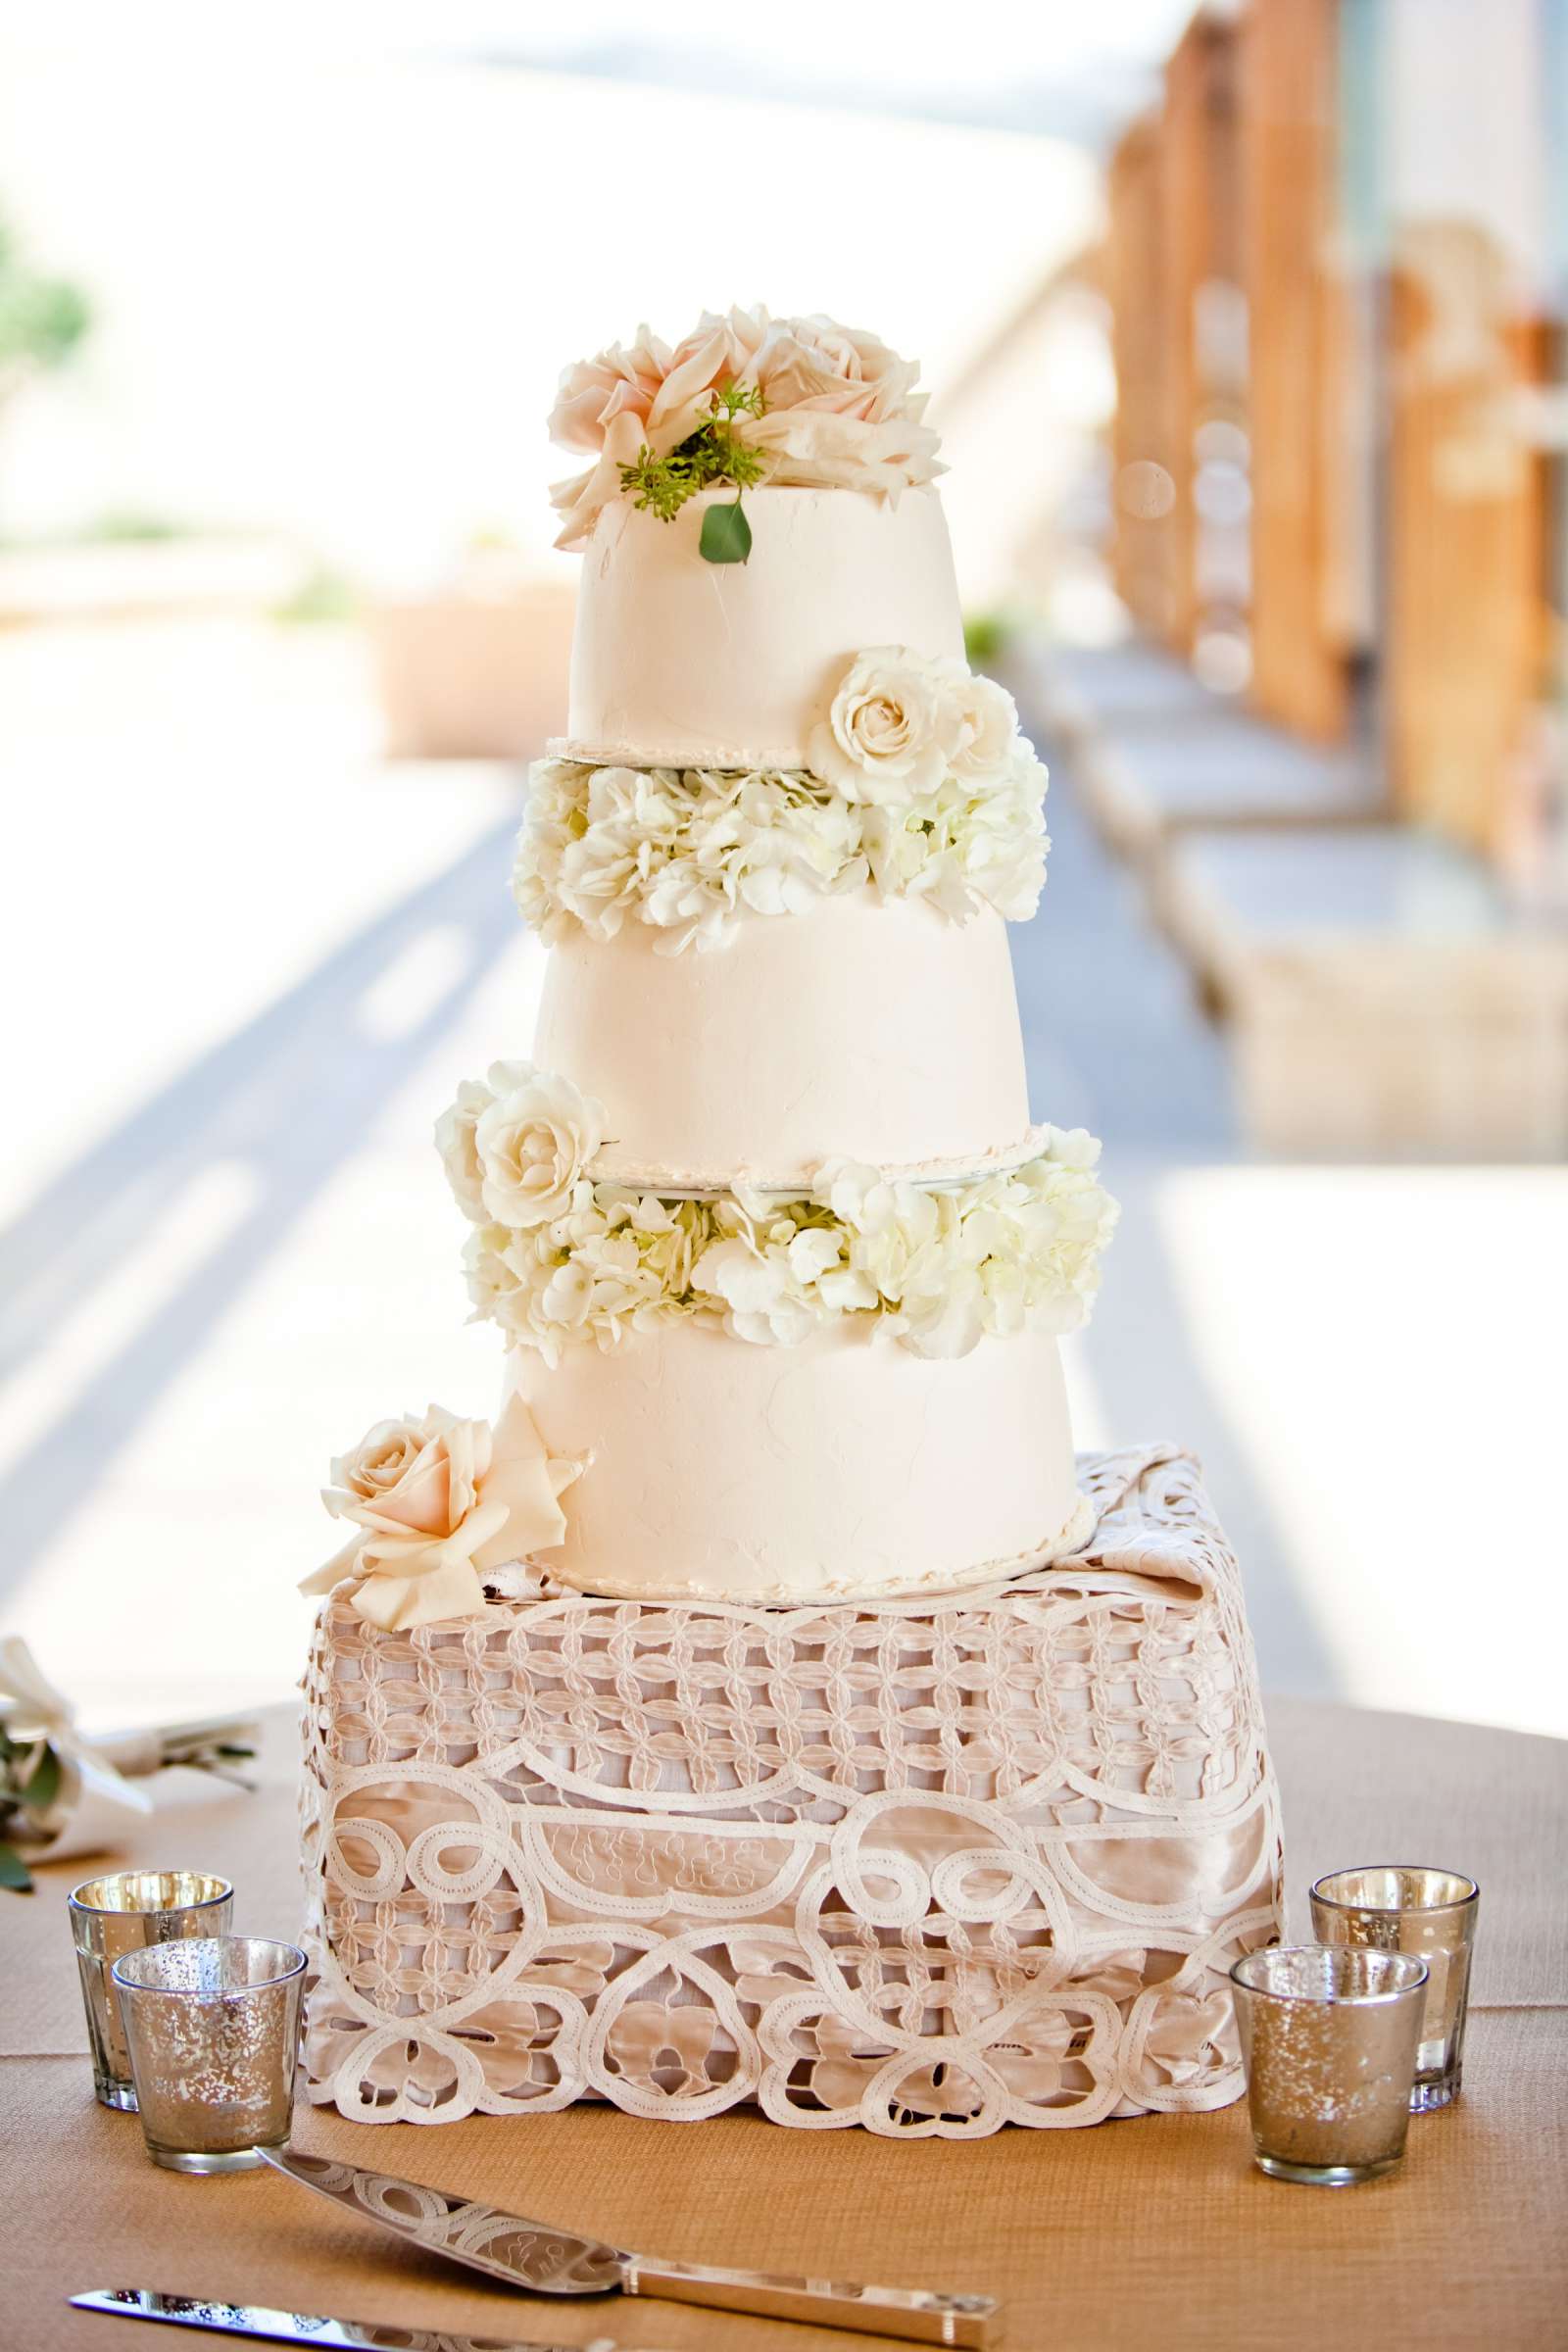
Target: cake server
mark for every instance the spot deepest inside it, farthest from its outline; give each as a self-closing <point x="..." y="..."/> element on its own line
<point x="555" y="2261"/>
<point x="299" y="2327"/>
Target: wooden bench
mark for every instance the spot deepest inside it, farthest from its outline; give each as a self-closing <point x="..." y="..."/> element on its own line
<point x="1381" y="993"/>
<point x="1154" y="754"/>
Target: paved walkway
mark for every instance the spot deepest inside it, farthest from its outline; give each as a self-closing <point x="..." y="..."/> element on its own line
<point x="1110" y="1028"/>
<point x="1115" y="1042"/>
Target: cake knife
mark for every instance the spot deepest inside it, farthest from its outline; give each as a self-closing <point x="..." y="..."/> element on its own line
<point x="300" y="2327"/>
<point x="556" y="2262"/>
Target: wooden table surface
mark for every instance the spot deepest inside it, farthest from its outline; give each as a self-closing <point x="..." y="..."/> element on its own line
<point x="1156" y="2231"/>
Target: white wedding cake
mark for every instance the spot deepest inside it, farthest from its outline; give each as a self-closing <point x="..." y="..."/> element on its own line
<point x="780" y="1260"/>
<point x="727" y="1719"/>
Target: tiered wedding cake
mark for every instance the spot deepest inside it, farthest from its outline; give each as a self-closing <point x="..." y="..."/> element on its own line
<point x="781" y="1260"/>
<point x="715" y="1724"/>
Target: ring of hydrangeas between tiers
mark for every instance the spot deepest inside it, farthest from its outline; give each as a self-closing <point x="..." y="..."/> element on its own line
<point x="921" y="786"/>
<point x="558" y="1258"/>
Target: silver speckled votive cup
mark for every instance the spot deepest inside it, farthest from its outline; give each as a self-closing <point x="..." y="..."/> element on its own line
<point x="1407" y="1907"/>
<point x="1329" y="2037"/>
<point x="124" y="1912"/>
<point x="213" y="2028"/>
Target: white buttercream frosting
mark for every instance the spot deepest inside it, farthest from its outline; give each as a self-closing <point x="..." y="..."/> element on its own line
<point x="828" y="1470"/>
<point x="857" y="1026"/>
<point x="679" y="663"/>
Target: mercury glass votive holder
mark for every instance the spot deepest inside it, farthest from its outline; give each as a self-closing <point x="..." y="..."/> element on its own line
<point x="1328" y="2037"/>
<point x="1407" y="1907"/>
<point x="213" y="2028"/>
<point x="124" y="1912"/>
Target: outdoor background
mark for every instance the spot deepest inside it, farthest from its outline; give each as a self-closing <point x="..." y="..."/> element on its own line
<point x="1247" y="339"/>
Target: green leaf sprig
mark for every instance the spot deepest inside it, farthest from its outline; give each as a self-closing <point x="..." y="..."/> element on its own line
<point x="715" y="454"/>
<point x="30" y="1782"/>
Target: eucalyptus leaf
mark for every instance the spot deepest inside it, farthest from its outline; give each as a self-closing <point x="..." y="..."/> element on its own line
<point x="726" y="534"/>
<point x="14" y="1872"/>
<point x="39" y="1793"/>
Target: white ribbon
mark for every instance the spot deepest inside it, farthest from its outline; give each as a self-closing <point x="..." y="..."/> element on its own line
<point x="93" y="1798"/>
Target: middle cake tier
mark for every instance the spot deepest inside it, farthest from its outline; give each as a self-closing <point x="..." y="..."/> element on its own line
<point x="864" y="1027"/>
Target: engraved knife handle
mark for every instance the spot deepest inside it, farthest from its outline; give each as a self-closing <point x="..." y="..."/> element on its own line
<point x="906" y="2312"/>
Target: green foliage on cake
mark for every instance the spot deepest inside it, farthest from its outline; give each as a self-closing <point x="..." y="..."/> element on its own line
<point x="713" y="456"/>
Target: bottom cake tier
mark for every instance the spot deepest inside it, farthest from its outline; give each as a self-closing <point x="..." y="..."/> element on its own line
<point x="839" y="1467"/>
<point x="926" y="1866"/>
<point x="826" y="1471"/>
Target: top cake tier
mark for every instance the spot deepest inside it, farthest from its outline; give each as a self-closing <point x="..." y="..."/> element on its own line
<point x="681" y="663"/>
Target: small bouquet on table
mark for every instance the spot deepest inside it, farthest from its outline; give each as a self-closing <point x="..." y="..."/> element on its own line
<point x="64" y="1793"/>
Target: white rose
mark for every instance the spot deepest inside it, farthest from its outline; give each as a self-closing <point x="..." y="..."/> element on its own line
<point x="456" y="1133"/>
<point x="592" y="393"/>
<point x="827" y="370"/>
<point x="986" y="726"/>
<point x="438" y="1504"/>
<point x="825" y="452"/>
<point x="533" y="1144"/>
<point x="891" y="728"/>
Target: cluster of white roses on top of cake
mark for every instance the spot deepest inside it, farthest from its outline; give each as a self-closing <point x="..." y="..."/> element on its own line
<point x="838" y="409"/>
<point x="557" y="1259"/>
<point x="925" y="788"/>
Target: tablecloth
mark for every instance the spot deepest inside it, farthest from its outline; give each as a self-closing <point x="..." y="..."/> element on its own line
<point x="1156" y="2231"/>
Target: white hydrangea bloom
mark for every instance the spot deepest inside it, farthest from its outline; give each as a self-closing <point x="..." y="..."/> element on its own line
<point x="1072" y="1147"/>
<point x="767" y="1305"/>
<point x="693" y="851"/>
<point x="555" y="817"/>
<point x="490" y="1279"/>
<point x="859" y="1195"/>
<point x="938" y="1269"/>
<point x="814" y="1250"/>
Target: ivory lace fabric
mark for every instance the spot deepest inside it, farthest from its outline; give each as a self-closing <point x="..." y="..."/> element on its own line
<point x="929" y="1866"/>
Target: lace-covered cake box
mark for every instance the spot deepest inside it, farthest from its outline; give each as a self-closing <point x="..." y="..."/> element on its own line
<point x="927" y="1866"/>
